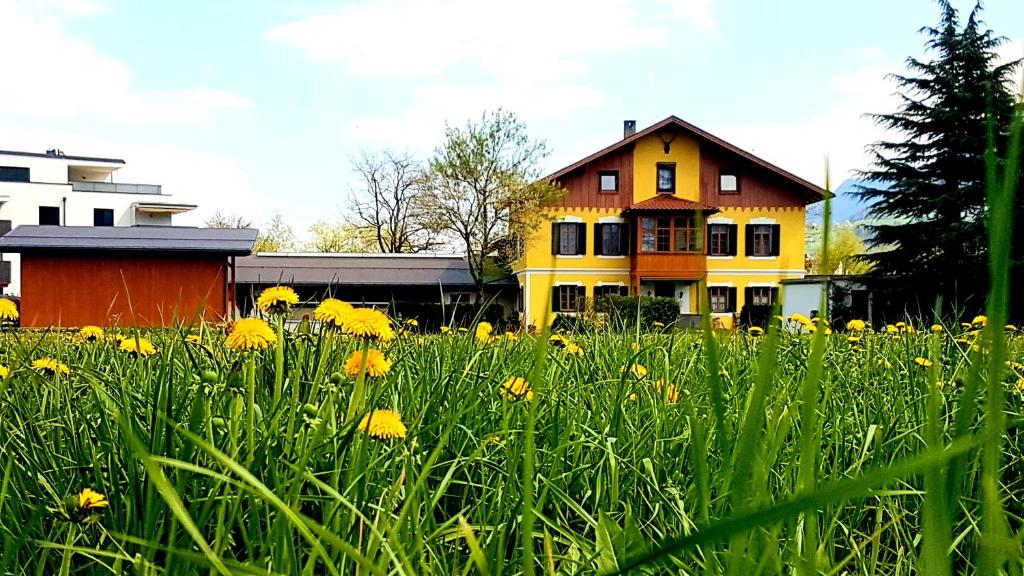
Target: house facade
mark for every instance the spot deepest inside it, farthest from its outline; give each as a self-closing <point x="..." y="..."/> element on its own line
<point x="54" y="189"/>
<point x="670" y="211"/>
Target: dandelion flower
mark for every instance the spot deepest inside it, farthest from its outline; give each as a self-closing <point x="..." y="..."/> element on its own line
<point x="671" y="395"/>
<point x="800" y="319"/>
<point x="891" y="329"/>
<point x="1010" y="328"/>
<point x="573" y="350"/>
<point x="376" y="364"/>
<point x="511" y="336"/>
<point x="251" y="334"/>
<point x="413" y="322"/>
<point x="383" y="425"/>
<point x="446" y="329"/>
<point x="936" y="328"/>
<point x="856" y="325"/>
<point x="8" y="309"/>
<point x="50" y="367"/>
<point x="5" y="372"/>
<point x="90" y="334"/>
<point x="277" y="300"/>
<point x="516" y="387"/>
<point x="635" y="346"/>
<point x="483" y="332"/>
<point x="368" y="323"/>
<point x="922" y="362"/>
<point x="137" y="347"/>
<point x="755" y="331"/>
<point x="853" y="340"/>
<point x="979" y="320"/>
<point x="1015" y="366"/>
<point x="658" y="324"/>
<point x="193" y="339"/>
<point x="558" y="341"/>
<point x="90" y="499"/>
<point x="639" y="371"/>
<point x="331" y="312"/>
<point x="463" y="330"/>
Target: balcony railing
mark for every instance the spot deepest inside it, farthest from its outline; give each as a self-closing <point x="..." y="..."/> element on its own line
<point x="5" y="272"/>
<point x="678" y="266"/>
<point x="109" y="187"/>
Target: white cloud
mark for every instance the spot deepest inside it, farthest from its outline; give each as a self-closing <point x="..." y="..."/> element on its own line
<point x="60" y="75"/>
<point x="75" y="8"/>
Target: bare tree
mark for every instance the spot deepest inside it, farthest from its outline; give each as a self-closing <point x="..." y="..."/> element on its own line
<point x="224" y="220"/>
<point x="485" y="188"/>
<point x="343" y="237"/>
<point x="387" y="204"/>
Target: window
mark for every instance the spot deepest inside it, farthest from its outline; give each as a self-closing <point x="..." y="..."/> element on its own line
<point x="49" y="216"/>
<point x="722" y="239"/>
<point x="669" y="234"/>
<point x="608" y="181"/>
<point x="722" y="299"/>
<point x="611" y="239"/>
<point x="605" y="291"/>
<point x="567" y="298"/>
<point x="102" y="217"/>
<point x="761" y="296"/>
<point x="763" y="240"/>
<point x="728" y="183"/>
<point x="568" y="238"/>
<point x="666" y="178"/>
<point x="14" y="174"/>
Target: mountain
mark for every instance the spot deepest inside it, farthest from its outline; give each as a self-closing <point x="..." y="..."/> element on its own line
<point x="846" y="207"/>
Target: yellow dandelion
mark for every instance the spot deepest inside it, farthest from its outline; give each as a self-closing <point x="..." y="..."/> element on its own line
<point x="5" y="372"/>
<point x="558" y="340"/>
<point x="277" y="300"/>
<point x="8" y="309"/>
<point x="251" y="334"/>
<point x="463" y="330"/>
<point x="383" y="425"/>
<point x="909" y="328"/>
<point x="90" y="334"/>
<point x="1016" y="366"/>
<point x="936" y="328"/>
<point x="573" y="350"/>
<point x="412" y="322"/>
<point x="635" y="346"/>
<point x="516" y="387"/>
<point x="89" y="499"/>
<point x="511" y="336"/>
<point x="1010" y="328"/>
<point x="670" y="394"/>
<point x="483" y="332"/>
<point x="446" y="329"/>
<point x="376" y="364"/>
<point x="331" y="312"/>
<point x="891" y="329"/>
<point x="194" y="339"/>
<point x="639" y="371"/>
<point x="922" y="362"/>
<point x="50" y="367"/>
<point x="800" y="318"/>
<point x="659" y="324"/>
<point x="856" y="325"/>
<point x="854" y="340"/>
<point x="137" y="347"/>
<point x="755" y="331"/>
<point x="368" y="323"/>
<point x="979" y="320"/>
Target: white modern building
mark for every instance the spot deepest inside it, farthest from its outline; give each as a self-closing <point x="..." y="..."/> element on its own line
<point x="56" y="189"/>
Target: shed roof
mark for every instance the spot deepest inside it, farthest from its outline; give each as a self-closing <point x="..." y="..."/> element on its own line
<point x="226" y="241"/>
<point x="355" y="269"/>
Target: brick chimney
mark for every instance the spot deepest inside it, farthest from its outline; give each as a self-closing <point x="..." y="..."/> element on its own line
<point x="628" y="128"/>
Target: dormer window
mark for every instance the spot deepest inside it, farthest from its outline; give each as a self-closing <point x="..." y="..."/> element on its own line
<point x="728" y="183"/>
<point x="608" y="181"/>
<point x="666" y="178"/>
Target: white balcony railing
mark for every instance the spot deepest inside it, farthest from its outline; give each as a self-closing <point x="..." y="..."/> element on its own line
<point x="115" y="188"/>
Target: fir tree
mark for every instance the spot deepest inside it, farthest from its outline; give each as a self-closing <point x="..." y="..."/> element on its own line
<point x="927" y="184"/>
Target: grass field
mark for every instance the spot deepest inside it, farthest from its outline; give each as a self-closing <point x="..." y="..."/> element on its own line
<point x="733" y="454"/>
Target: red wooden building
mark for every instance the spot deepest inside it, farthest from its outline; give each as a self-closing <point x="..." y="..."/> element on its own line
<point x="126" y="276"/>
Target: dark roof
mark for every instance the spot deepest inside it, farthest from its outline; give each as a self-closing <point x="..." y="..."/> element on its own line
<point x="227" y="241"/>
<point x="355" y="269"/>
<point x="61" y="157"/>
<point x="668" y="203"/>
<point x="818" y="278"/>
<point x="812" y="192"/>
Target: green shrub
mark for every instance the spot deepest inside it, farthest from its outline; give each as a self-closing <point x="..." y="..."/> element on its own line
<point x="624" y="310"/>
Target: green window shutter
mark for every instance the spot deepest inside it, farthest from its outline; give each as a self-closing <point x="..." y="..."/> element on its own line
<point x="776" y="236"/>
<point x="732" y="299"/>
<point x="554" y="299"/>
<point x="581" y="238"/>
<point x="599" y="239"/>
<point x="734" y="232"/>
<point x="748" y="232"/>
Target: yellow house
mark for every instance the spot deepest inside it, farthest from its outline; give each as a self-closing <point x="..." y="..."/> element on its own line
<point x="660" y="213"/>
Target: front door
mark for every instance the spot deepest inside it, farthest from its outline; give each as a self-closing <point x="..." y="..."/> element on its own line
<point x="683" y="291"/>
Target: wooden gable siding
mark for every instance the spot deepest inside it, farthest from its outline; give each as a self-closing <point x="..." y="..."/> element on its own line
<point x="758" y="187"/>
<point x="581" y="185"/>
<point x="70" y="290"/>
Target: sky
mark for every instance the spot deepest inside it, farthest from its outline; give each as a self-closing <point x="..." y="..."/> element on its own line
<point x="258" y="107"/>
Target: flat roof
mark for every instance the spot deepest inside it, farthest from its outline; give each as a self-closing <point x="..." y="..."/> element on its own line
<point x="61" y="157"/>
<point x="226" y="241"/>
<point x="355" y="270"/>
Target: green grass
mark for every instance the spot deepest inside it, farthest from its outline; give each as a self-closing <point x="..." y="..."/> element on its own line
<point x="601" y="473"/>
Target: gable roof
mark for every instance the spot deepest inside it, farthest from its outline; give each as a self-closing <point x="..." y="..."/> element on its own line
<point x="669" y="203"/>
<point x="813" y="192"/>
<point x="226" y="241"/>
<point x="356" y="269"/>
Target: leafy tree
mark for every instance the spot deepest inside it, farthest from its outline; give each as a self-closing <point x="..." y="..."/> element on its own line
<point x="224" y="220"/>
<point x="846" y="251"/>
<point x="387" y="206"/>
<point x="343" y="237"/>
<point x="484" y="189"/>
<point x="927" y="184"/>
<point x="277" y="236"/>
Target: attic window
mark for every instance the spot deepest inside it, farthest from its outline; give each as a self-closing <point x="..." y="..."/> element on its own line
<point x="666" y="178"/>
<point x="608" y="181"/>
<point x="728" y="183"/>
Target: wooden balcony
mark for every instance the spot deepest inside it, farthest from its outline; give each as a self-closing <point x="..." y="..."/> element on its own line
<point x="668" y="266"/>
